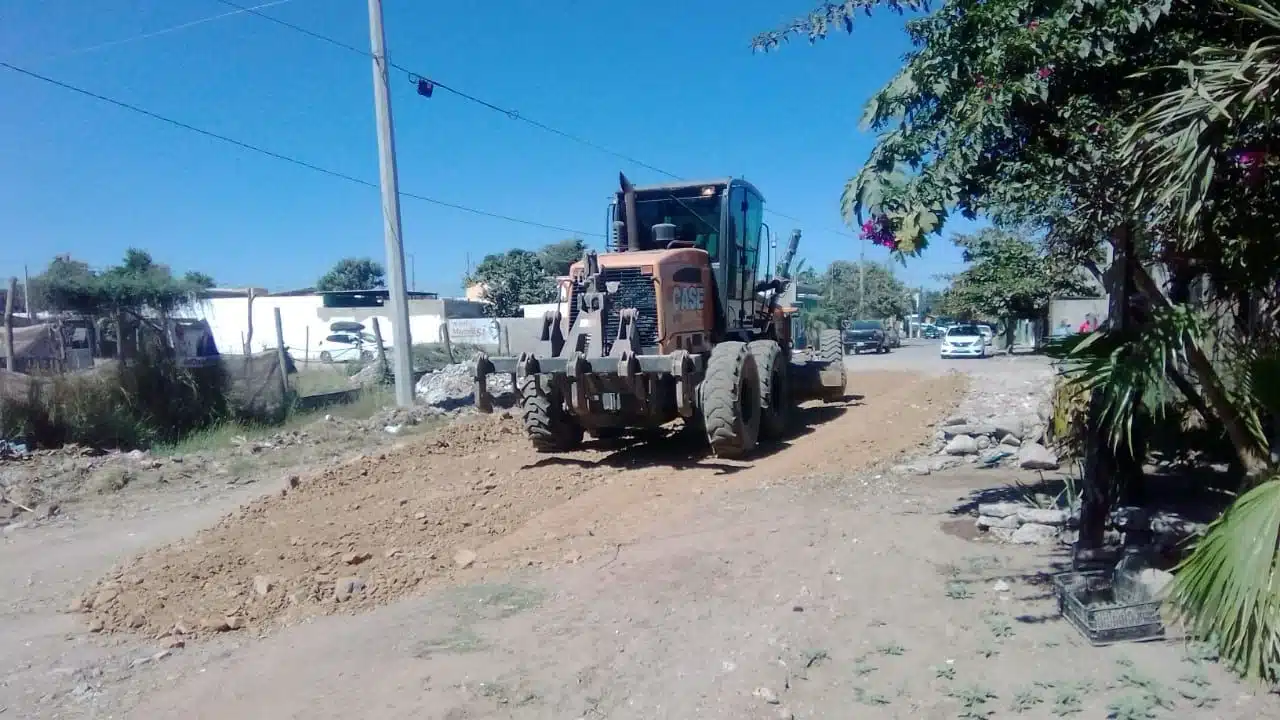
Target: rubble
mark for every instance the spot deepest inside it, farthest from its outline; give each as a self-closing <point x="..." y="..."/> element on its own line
<point x="453" y="386"/>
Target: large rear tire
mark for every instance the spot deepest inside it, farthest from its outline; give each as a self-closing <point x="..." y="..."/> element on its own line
<point x="830" y="351"/>
<point x="775" y="387"/>
<point x="549" y="426"/>
<point x="730" y="394"/>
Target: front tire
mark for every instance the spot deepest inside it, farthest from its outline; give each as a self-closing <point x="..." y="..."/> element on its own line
<point x="549" y="426"/>
<point x="775" y="387"/>
<point x="730" y="394"/>
<point x="829" y="351"/>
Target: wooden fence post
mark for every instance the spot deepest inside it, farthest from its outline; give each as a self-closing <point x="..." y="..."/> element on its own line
<point x="444" y="329"/>
<point x="9" y="354"/>
<point x="306" y="345"/>
<point x="280" y="356"/>
<point x="380" y="352"/>
<point x="248" y="338"/>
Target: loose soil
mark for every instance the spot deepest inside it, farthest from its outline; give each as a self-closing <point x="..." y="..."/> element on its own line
<point x="468" y="500"/>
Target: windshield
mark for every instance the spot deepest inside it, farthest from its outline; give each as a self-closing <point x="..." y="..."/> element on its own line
<point x="964" y="330"/>
<point x="697" y="218"/>
<point x="864" y="325"/>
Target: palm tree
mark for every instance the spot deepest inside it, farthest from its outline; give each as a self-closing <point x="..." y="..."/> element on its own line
<point x="1191" y="150"/>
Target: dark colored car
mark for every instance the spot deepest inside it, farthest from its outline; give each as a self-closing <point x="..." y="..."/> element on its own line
<point x="866" y="336"/>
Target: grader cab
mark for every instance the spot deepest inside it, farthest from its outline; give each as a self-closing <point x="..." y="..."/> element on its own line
<point x="674" y="321"/>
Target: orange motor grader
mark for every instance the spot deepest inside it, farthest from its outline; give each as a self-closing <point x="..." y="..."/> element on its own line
<point x="674" y="321"/>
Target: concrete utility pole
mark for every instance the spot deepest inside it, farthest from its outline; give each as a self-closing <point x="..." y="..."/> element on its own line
<point x="390" y="181"/>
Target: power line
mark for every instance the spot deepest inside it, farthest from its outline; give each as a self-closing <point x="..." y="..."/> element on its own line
<point x="278" y="156"/>
<point x="163" y="31"/>
<point x="416" y="78"/>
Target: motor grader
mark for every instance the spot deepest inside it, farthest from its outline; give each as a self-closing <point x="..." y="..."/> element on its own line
<point x="674" y="321"/>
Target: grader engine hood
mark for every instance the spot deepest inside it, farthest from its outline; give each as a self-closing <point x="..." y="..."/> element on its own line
<point x="671" y="291"/>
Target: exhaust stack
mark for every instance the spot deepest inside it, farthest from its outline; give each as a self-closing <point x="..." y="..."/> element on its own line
<point x="629" y="205"/>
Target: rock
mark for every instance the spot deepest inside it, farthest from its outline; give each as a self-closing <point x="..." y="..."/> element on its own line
<point x="105" y="598"/>
<point x="1008" y="426"/>
<point x="1171" y="529"/>
<point x="355" y="558"/>
<point x="464" y="558"/>
<point x="1035" y="434"/>
<point x="1003" y="509"/>
<point x="1034" y="456"/>
<point x="1128" y="517"/>
<point x="262" y="585"/>
<point x="1000" y="586"/>
<point x="944" y="463"/>
<point x="784" y="714"/>
<point x="234" y="622"/>
<point x="766" y="695"/>
<point x="912" y="468"/>
<point x="346" y="587"/>
<point x="136" y="620"/>
<point x="986" y="522"/>
<point x="1043" y="516"/>
<point x="1069" y="537"/>
<point x="1154" y="581"/>
<point x="573" y="557"/>
<point x="968" y="429"/>
<point x="993" y="457"/>
<point x="1010" y="440"/>
<point x="96" y="625"/>
<point x="984" y="442"/>
<point x="292" y="481"/>
<point x="1033" y="534"/>
<point x="962" y="445"/>
<point x="955" y="420"/>
<point x="215" y="624"/>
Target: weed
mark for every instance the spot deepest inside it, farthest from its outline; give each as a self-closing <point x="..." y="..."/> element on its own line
<point x="981" y="563"/>
<point x="1132" y="707"/>
<point x="1000" y="626"/>
<point x="862" y="667"/>
<point x="987" y="652"/>
<point x="973" y="702"/>
<point x="951" y="570"/>
<point x="1067" y="702"/>
<point x="1197" y="678"/>
<point x="870" y="698"/>
<point x="1150" y="689"/>
<point x="814" y="657"/>
<point x="959" y="590"/>
<point x="891" y="649"/>
<point x="1024" y="700"/>
<point x="1201" y="652"/>
<point x="945" y="672"/>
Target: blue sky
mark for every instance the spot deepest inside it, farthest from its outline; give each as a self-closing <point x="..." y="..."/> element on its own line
<point x="671" y="83"/>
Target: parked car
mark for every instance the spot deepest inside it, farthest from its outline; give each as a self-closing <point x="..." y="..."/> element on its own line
<point x="987" y="333"/>
<point x="930" y="332"/>
<point x="964" y="341"/>
<point x="866" y="336"/>
<point x="347" y="347"/>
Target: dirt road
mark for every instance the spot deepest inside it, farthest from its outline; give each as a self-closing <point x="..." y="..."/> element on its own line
<point x="621" y="582"/>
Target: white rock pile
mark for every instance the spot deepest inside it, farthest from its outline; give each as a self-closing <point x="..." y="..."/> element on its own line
<point x="452" y="386"/>
<point x="1001" y="440"/>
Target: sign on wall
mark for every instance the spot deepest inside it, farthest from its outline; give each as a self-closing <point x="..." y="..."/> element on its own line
<point x="478" y="331"/>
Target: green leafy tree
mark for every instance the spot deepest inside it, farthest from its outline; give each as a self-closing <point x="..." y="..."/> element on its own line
<point x="1009" y="277"/>
<point x="138" y="284"/>
<point x="511" y="280"/>
<point x="353" y="274"/>
<point x="883" y="296"/>
<point x="557" y="257"/>
<point x="197" y="279"/>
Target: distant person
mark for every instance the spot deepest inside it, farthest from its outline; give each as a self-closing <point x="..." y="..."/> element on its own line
<point x="1063" y="329"/>
<point x="1090" y="323"/>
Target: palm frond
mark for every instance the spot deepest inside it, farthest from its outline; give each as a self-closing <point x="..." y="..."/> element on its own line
<point x="1228" y="590"/>
<point x="1175" y="145"/>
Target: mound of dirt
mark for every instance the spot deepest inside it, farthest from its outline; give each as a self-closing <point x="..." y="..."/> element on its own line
<point x="470" y="496"/>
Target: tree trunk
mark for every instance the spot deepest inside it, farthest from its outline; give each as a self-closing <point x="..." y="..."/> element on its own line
<point x="1096" y="483"/>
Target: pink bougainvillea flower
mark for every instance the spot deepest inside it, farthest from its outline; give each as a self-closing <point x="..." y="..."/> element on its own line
<point x="1044" y="73"/>
<point x="1033" y="24"/>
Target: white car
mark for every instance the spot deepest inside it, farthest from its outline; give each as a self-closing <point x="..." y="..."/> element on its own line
<point x="987" y="333"/>
<point x="964" y="341"/>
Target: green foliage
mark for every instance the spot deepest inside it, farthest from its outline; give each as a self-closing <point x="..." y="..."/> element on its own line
<point x="138" y="283"/>
<point x="883" y="296"/>
<point x="353" y="274"/>
<point x="148" y="400"/>
<point x="556" y="258"/>
<point x="973" y="701"/>
<point x="1009" y="276"/>
<point x="1024" y="700"/>
<point x="1228" y="589"/>
<point x="198" y="280"/>
<point x="512" y="279"/>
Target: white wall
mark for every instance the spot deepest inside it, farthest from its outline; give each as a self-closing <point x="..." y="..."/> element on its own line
<point x="305" y="323"/>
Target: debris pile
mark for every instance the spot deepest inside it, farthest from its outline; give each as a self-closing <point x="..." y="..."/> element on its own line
<point x="1026" y="523"/>
<point x="453" y="386"/>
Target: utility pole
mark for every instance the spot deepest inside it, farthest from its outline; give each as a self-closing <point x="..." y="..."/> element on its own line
<point x="390" y="182"/>
<point x="26" y="295"/>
